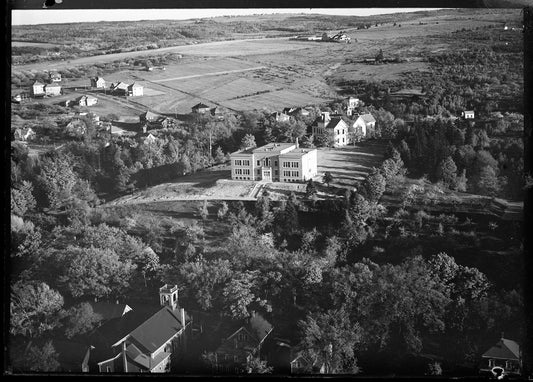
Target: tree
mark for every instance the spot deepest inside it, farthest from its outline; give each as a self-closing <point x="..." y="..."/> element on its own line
<point x="37" y="358"/>
<point x="240" y="293"/>
<point x="22" y="198"/>
<point x="327" y="178"/>
<point x="374" y="186"/>
<point x="332" y="337"/>
<point x="93" y="271"/>
<point x="487" y="182"/>
<point x="57" y="180"/>
<point x="310" y="189"/>
<point x="81" y="319"/>
<point x="184" y="165"/>
<point x="248" y="141"/>
<point x="223" y="210"/>
<point x="447" y="172"/>
<point x="219" y="155"/>
<point x="34" y="308"/>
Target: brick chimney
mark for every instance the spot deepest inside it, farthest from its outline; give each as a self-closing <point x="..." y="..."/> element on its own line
<point x="297" y="145"/>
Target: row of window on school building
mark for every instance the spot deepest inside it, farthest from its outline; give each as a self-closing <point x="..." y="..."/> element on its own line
<point x="244" y="174"/>
<point x="245" y="162"/>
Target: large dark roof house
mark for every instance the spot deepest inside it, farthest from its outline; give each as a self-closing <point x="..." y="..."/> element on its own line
<point x="200" y="108"/>
<point x="143" y="339"/>
<point x="234" y="353"/>
<point x="504" y="354"/>
<point x="326" y="124"/>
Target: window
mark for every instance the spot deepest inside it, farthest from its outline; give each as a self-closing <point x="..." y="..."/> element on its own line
<point x="276" y="163"/>
<point x="342" y="140"/>
<point x="238" y="162"/>
<point x="242" y="336"/>
<point x="286" y="173"/>
<point x="295" y="164"/>
<point x="245" y="162"/>
<point x="238" y="171"/>
<point x="259" y="163"/>
<point x="276" y="172"/>
<point x="258" y="172"/>
<point x="286" y="164"/>
<point x="295" y="173"/>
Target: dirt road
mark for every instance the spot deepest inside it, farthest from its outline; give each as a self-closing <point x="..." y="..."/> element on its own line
<point x="209" y="74"/>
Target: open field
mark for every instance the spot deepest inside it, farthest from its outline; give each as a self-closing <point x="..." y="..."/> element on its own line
<point x="350" y="165"/>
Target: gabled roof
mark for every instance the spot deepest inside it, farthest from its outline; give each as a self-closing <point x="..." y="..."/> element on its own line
<point x="158" y="329"/>
<point x="53" y="85"/>
<point x="200" y="106"/>
<point x="150" y="115"/>
<point x="367" y="118"/>
<point x="37" y="83"/>
<point x="121" y="85"/>
<point x="334" y="122"/>
<point x="135" y="85"/>
<point x="506" y="349"/>
<point x="258" y="327"/>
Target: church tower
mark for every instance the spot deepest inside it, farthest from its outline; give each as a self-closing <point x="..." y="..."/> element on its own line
<point x="168" y="296"/>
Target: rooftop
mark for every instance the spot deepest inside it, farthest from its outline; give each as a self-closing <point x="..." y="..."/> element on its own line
<point x="298" y="152"/>
<point x="506" y="349"/>
<point x="273" y="147"/>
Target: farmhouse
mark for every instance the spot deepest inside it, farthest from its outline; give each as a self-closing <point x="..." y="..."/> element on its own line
<point x="296" y="111"/>
<point x="217" y="113"/>
<point x="200" y="108"/>
<point x="37" y="88"/>
<point x="468" y="114"/>
<point x="55" y="77"/>
<point x="363" y="125"/>
<point x="135" y="90"/>
<point x="280" y="117"/>
<point x="87" y="100"/>
<point x="233" y="355"/>
<point x="149" y="117"/>
<point x="24" y="134"/>
<point x="120" y="88"/>
<point x="97" y="82"/>
<point x="53" y="89"/>
<point x="325" y="124"/>
<point x="143" y="339"/>
<point x="505" y="354"/>
<point x="282" y="162"/>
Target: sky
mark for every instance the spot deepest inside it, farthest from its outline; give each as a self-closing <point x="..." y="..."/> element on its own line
<point x="53" y="16"/>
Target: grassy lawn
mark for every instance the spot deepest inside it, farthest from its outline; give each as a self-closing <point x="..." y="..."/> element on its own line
<point x="350" y="165"/>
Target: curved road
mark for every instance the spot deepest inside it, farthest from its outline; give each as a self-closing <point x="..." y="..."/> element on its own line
<point x="222" y="48"/>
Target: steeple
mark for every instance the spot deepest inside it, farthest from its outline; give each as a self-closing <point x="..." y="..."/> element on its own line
<point x="168" y="296"/>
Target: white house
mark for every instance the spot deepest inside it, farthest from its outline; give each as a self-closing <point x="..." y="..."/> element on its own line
<point x="135" y="90"/>
<point x="97" y="82"/>
<point x="87" y="100"/>
<point x="282" y="162"/>
<point x="37" y="88"/>
<point x="468" y="114"/>
<point x="53" y="89"/>
<point x="55" y="77"/>
<point x="325" y="124"/>
<point x="363" y="125"/>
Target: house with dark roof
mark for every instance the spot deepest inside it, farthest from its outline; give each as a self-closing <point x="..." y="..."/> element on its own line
<point x="325" y="124"/>
<point x="504" y="354"/>
<point x="235" y="351"/>
<point x="200" y="108"/>
<point x="150" y="117"/>
<point x="119" y="88"/>
<point x="143" y="339"/>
